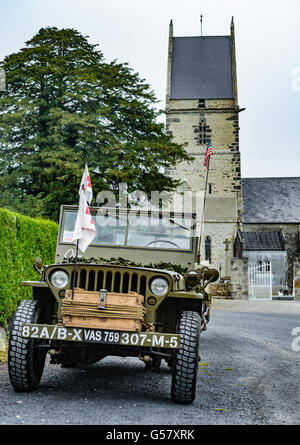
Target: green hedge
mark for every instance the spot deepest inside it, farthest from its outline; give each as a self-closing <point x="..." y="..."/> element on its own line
<point x="21" y="240"/>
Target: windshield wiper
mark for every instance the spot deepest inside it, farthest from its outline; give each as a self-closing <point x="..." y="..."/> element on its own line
<point x="173" y="222"/>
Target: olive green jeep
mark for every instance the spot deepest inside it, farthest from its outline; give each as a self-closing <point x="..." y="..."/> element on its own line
<point x="148" y="256"/>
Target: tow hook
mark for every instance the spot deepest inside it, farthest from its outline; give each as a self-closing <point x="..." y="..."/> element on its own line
<point x="53" y="354"/>
<point x="144" y="358"/>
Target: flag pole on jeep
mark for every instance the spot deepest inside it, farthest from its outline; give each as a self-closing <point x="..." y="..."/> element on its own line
<point x="74" y="273"/>
<point x="84" y="231"/>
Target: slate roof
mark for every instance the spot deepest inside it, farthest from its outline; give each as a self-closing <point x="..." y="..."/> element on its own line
<point x="271" y="200"/>
<point x="201" y="68"/>
<point x="265" y="240"/>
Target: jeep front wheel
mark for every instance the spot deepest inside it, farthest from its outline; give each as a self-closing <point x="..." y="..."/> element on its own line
<point x="186" y="358"/>
<point x="25" y="361"/>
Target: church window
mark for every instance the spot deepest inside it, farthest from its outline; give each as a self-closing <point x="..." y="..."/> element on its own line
<point x="263" y="266"/>
<point x="260" y="266"/>
<point x="207" y="248"/>
<point x="201" y="103"/>
<point x="210" y="188"/>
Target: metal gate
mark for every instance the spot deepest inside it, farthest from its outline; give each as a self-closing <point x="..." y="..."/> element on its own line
<point x="260" y="281"/>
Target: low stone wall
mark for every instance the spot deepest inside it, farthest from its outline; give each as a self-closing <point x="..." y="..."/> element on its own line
<point x="219" y="289"/>
<point x="296" y="280"/>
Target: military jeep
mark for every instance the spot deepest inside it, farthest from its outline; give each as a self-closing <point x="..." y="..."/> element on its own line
<point x="136" y="291"/>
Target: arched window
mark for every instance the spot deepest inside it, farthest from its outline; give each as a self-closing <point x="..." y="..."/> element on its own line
<point x="263" y="266"/>
<point x="260" y="266"/>
<point x="207" y="248"/>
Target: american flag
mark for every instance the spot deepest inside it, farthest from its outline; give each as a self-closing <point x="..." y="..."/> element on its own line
<point x="208" y="154"/>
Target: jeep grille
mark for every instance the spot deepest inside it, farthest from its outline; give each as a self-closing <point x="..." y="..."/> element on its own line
<point x="110" y="279"/>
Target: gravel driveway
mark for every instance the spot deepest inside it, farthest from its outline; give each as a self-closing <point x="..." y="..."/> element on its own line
<point x="249" y="374"/>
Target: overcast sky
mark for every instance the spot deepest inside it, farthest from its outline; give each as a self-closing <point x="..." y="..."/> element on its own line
<point x="136" y="31"/>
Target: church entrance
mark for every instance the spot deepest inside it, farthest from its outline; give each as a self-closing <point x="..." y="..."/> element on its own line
<point x="260" y="281"/>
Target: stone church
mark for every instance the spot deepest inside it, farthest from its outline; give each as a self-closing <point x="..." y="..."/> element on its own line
<point x="247" y="221"/>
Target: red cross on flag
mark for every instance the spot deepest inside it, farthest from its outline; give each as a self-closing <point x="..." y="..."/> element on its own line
<point x="85" y="230"/>
<point x="86" y="185"/>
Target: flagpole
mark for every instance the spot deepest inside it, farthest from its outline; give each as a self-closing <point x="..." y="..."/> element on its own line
<point x="203" y="210"/>
<point x="74" y="277"/>
<point x="75" y="264"/>
<point x="85" y="197"/>
<point x="201" y="24"/>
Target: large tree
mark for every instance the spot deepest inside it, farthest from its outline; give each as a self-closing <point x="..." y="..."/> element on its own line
<point x="64" y="104"/>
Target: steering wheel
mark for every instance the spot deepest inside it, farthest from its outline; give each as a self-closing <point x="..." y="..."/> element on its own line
<point x="162" y="241"/>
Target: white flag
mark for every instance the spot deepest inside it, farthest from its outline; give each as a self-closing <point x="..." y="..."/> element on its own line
<point x="86" y="185"/>
<point x="85" y="230"/>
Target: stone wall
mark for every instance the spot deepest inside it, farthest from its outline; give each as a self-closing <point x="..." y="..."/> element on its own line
<point x="296" y="283"/>
<point x="224" y="178"/>
<point x="219" y="289"/>
<point x="221" y="251"/>
<point x="239" y="278"/>
<point x="184" y="122"/>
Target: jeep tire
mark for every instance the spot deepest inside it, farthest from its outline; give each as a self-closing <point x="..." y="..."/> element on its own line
<point x="186" y="358"/>
<point x="25" y="361"/>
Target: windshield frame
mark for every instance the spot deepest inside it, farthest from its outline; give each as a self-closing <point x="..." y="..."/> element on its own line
<point x="127" y="213"/>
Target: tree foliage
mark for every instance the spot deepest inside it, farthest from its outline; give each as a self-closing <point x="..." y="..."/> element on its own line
<point x="65" y="104"/>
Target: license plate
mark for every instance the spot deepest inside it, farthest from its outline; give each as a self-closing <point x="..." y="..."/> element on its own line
<point x="102" y="336"/>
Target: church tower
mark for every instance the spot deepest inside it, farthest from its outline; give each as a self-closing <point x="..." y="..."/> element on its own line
<point x="202" y="104"/>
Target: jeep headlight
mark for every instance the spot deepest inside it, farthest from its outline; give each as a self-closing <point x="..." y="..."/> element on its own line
<point x="159" y="286"/>
<point x="59" y="279"/>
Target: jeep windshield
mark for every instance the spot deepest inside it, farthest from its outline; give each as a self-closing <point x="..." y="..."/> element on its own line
<point x="134" y="228"/>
